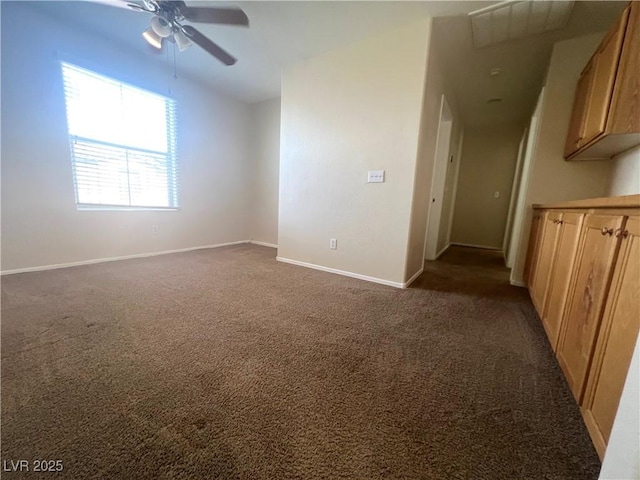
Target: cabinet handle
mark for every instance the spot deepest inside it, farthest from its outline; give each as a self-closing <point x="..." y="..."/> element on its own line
<point x="557" y="221"/>
<point x="606" y="231"/>
<point x="622" y="233"/>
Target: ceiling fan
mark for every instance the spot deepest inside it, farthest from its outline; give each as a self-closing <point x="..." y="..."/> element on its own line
<point x="168" y="18"/>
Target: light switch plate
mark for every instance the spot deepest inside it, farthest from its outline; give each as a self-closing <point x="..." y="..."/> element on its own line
<point x="375" y="176"/>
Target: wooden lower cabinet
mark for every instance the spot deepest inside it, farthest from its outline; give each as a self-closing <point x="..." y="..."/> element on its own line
<point x="532" y="249"/>
<point x="558" y="285"/>
<point x="548" y="238"/>
<point x="591" y="275"/>
<point x="584" y="279"/>
<point x="616" y="341"/>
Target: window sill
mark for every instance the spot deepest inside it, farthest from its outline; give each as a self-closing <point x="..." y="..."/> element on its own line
<point x="114" y="208"/>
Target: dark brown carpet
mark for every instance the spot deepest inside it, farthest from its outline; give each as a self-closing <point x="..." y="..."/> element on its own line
<point x="224" y="364"/>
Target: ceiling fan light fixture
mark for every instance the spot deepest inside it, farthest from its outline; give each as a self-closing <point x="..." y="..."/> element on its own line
<point x="152" y="38"/>
<point x="182" y="41"/>
<point x="161" y="26"/>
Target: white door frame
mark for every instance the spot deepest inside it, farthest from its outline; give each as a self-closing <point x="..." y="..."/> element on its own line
<point x="515" y="186"/>
<point x="438" y="179"/>
<point x="522" y="217"/>
<point x="454" y="194"/>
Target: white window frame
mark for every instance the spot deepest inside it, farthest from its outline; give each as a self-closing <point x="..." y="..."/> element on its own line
<point x="82" y="148"/>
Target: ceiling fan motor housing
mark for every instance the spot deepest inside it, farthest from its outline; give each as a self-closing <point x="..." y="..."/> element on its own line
<point x="161" y="26"/>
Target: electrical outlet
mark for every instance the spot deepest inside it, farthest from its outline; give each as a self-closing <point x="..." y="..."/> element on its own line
<point x="333" y="243"/>
<point x="496" y="194"/>
<point x="155" y="230"/>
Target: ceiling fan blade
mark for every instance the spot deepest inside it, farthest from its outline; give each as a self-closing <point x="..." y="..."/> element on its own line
<point x="199" y="39"/>
<point x="137" y="5"/>
<point x="223" y="16"/>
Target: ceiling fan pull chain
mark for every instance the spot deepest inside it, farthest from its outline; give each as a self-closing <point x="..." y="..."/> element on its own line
<point x="175" y="68"/>
<point x="168" y="75"/>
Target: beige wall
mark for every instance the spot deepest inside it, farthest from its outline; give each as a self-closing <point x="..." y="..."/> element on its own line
<point x="40" y="223"/>
<point x="343" y="113"/>
<point x="622" y="459"/>
<point x="435" y="86"/>
<point x="552" y="179"/>
<point x="625" y="177"/>
<point x="489" y="158"/>
<point x="265" y="145"/>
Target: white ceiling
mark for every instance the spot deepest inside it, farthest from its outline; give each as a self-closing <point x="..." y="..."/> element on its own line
<point x="282" y="33"/>
<point x="523" y="63"/>
<point x="518" y="18"/>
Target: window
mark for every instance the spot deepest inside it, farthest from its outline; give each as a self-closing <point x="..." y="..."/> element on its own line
<point x="123" y="143"/>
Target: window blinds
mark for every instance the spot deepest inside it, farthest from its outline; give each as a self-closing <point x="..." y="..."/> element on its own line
<point x="123" y="142"/>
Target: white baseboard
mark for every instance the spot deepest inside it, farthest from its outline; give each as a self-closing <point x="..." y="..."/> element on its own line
<point x="412" y="279"/>
<point x="517" y="283"/>
<point x="442" y="251"/>
<point x="115" y="259"/>
<point x="475" y="246"/>
<point x="341" y="272"/>
<point x="264" y="244"/>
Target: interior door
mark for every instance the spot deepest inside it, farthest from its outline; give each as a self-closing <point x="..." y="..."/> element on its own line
<point x="440" y="167"/>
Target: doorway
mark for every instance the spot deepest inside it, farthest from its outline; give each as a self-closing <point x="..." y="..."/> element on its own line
<point x="440" y="166"/>
<point x="522" y="214"/>
<point x="515" y="188"/>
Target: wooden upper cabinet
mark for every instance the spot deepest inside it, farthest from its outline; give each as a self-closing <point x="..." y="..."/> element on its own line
<point x="605" y="69"/>
<point x="605" y="120"/>
<point x="625" y="106"/>
<point x="591" y="277"/>
<point x="576" y="127"/>
<point x="616" y="341"/>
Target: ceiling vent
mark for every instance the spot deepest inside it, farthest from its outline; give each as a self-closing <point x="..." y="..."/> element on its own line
<point x="516" y="19"/>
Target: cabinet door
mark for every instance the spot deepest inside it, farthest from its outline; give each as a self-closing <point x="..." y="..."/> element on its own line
<point x="616" y="340"/>
<point x="626" y="93"/>
<point x="546" y="256"/>
<point x="532" y="249"/>
<point x="576" y="126"/>
<point x="591" y="277"/>
<point x="561" y="275"/>
<point x="605" y="68"/>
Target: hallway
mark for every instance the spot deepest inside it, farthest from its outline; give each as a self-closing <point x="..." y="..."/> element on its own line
<point x="471" y="271"/>
<point x="518" y="350"/>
